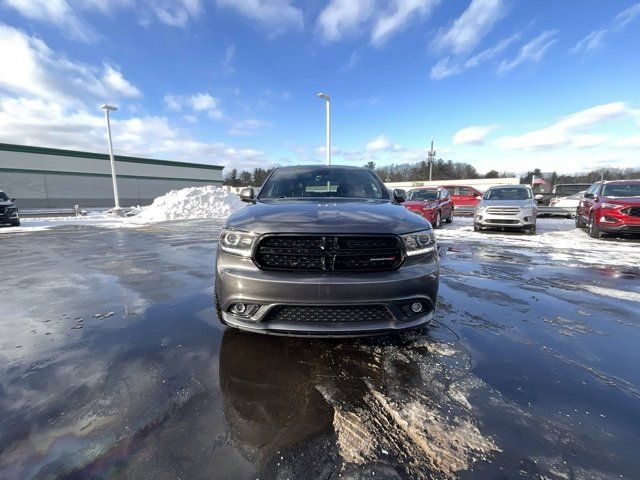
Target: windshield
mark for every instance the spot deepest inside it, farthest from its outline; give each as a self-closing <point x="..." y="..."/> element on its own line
<point x="323" y="182"/>
<point x="631" y="189"/>
<point x="422" y="195"/>
<point x="507" y="194"/>
<point x="3" y="197"/>
<point x="566" y="190"/>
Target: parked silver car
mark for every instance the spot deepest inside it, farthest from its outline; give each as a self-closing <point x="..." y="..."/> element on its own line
<point x="507" y="206"/>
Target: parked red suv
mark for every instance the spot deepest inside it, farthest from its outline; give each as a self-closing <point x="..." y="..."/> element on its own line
<point x="433" y="203"/>
<point x="610" y="207"/>
<point x="463" y="195"/>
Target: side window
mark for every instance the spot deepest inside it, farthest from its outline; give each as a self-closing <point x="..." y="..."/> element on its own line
<point x="467" y="192"/>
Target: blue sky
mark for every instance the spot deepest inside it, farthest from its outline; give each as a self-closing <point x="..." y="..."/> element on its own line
<point x="501" y="84"/>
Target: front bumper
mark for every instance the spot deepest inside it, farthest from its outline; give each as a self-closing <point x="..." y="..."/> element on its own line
<point x="9" y="216"/>
<point x="429" y="214"/>
<point x="519" y="220"/>
<point x="613" y="221"/>
<point x="238" y="280"/>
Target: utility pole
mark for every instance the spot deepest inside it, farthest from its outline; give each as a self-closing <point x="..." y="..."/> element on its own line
<point x="431" y="156"/>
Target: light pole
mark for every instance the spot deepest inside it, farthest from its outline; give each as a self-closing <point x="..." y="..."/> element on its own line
<point x="326" y="98"/>
<point x="110" y="108"/>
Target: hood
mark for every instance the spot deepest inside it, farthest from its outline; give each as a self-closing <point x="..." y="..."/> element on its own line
<point x="331" y="216"/>
<point x="418" y="204"/>
<point x="626" y="201"/>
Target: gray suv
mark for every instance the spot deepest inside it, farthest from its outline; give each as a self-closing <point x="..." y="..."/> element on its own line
<point x="325" y="251"/>
<point x="507" y="207"/>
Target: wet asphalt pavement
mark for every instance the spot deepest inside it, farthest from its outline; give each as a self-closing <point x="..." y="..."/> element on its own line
<point x="113" y="365"/>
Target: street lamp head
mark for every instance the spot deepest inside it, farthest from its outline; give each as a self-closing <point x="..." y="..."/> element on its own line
<point x="109" y="107"/>
<point x="324" y="96"/>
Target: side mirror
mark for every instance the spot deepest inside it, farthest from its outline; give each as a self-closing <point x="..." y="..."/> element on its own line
<point x="399" y="195"/>
<point x="539" y="197"/>
<point x="12" y="200"/>
<point x="588" y="195"/>
<point x="478" y="197"/>
<point x="247" y="195"/>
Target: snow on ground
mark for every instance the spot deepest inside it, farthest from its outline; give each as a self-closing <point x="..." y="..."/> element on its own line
<point x="188" y="203"/>
<point x="556" y="237"/>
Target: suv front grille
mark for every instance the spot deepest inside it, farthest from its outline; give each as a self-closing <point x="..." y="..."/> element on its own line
<point x="329" y="253"/>
<point x="631" y="211"/>
<point x="503" y="210"/>
<point x="328" y="314"/>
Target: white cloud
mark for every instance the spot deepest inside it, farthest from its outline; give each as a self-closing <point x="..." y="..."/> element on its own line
<point x="354" y="59"/>
<point x="277" y="16"/>
<point x="341" y="18"/>
<point x="471" y="27"/>
<point x="114" y="80"/>
<point x="56" y="12"/>
<point x="67" y="14"/>
<point x="626" y="17"/>
<point x="474" y="135"/>
<point x="176" y="13"/>
<point x="227" y="61"/>
<point x="398" y="15"/>
<point x="591" y="42"/>
<point x="569" y="131"/>
<point x="595" y="39"/>
<point x="50" y="124"/>
<point x="447" y="67"/>
<point x="532" y="51"/>
<point x="38" y="71"/>
<point x="632" y="141"/>
<point x="378" y="144"/>
<point x="247" y="127"/>
<point x="197" y="103"/>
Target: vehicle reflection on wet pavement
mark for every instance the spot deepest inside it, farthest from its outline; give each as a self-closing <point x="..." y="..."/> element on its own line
<point x="114" y="366"/>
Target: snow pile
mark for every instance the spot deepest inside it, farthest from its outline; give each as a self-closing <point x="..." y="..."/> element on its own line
<point x="194" y="202"/>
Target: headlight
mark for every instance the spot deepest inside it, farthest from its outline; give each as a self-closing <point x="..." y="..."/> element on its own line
<point x="419" y="243"/>
<point x="237" y="243"/>
<point x="611" y="205"/>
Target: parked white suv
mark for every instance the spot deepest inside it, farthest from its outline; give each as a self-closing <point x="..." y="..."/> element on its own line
<point x="507" y="207"/>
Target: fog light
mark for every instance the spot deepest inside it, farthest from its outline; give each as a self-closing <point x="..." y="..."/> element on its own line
<point x="416" y="307"/>
<point x="526" y="219"/>
<point x="238" y="308"/>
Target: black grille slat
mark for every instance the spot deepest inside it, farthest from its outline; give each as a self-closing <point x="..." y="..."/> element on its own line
<point x="329" y="253"/>
<point x="328" y="314"/>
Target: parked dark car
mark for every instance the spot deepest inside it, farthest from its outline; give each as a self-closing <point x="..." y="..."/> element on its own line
<point x="463" y="196"/>
<point x="325" y="251"/>
<point x="8" y="211"/>
<point x="561" y="190"/>
<point x="433" y="203"/>
<point x="610" y="207"/>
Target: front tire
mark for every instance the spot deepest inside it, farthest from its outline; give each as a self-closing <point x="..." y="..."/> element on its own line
<point x="438" y="221"/>
<point x="15" y="223"/>
<point x="579" y="222"/>
<point x="476" y="228"/>
<point x="594" y="231"/>
<point x="450" y="217"/>
<point x="532" y="229"/>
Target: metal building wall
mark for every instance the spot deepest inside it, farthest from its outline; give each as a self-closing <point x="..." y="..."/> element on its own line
<point x="47" y="178"/>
